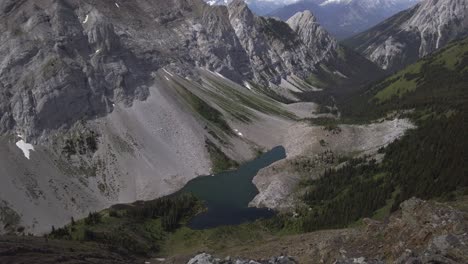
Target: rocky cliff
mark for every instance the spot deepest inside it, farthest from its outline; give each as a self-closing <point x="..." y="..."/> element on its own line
<point x="414" y="33"/>
<point x="70" y="60"/>
<point x="276" y="50"/>
<point x="313" y="35"/>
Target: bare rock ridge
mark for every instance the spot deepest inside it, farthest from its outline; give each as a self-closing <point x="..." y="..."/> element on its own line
<point x="414" y="33"/>
<point x="314" y="36"/>
<point x="275" y="50"/>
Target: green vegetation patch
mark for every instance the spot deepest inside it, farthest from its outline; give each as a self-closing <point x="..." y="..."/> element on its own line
<point x="81" y="142"/>
<point x="219" y="160"/>
<point x="189" y="241"/>
<point x="402" y="83"/>
<point x="9" y="218"/>
<point x="251" y="100"/>
<point x="315" y="81"/>
<point x="201" y="107"/>
<point x="140" y="228"/>
<point x="453" y="55"/>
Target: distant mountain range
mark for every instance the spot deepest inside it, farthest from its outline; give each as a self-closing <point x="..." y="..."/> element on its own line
<point x="344" y="18"/>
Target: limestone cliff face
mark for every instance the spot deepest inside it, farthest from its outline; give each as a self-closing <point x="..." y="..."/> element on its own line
<point x="414" y="33"/>
<point x="274" y="50"/>
<point x="69" y="60"/>
<point x="314" y="36"/>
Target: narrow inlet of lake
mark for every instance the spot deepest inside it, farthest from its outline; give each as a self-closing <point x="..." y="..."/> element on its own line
<point x="227" y="194"/>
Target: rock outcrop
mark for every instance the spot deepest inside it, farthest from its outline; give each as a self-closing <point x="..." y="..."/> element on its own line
<point x="274" y="50"/>
<point x="313" y="35"/>
<point x="420" y="232"/>
<point x="414" y="33"/>
<point x="205" y="258"/>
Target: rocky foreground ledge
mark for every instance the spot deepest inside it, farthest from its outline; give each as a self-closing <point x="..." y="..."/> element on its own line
<point x="205" y="258"/>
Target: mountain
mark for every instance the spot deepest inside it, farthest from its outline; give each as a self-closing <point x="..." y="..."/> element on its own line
<point x="414" y="33"/>
<point x="344" y="18"/>
<point x="107" y="102"/>
<point x="359" y="210"/>
<point x="259" y="7"/>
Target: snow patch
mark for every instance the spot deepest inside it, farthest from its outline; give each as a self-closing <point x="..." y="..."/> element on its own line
<point x="238" y="132"/>
<point x="97" y="51"/>
<point x="117" y="5"/>
<point x="335" y="2"/>
<point x="86" y="19"/>
<point x="25" y="147"/>
<point x="220" y="75"/>
<point x="340" y="74"/>
<point x="247" y="84"/>
<point x="166" y="78"/>
<point x="172" y="75"/>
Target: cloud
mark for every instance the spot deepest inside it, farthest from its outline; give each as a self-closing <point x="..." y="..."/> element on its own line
<point x="286" y="2"/>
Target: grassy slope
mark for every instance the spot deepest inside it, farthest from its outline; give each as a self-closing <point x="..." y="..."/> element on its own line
<point x="436" y="83"/>
<point x="355" y="69"/>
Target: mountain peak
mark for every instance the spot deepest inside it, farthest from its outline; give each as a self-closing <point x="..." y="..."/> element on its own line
<point x="239" y="8"/>
<point x="314" y="36"/>
<point x="238" y="4"/>
<point x="305" y="15"/>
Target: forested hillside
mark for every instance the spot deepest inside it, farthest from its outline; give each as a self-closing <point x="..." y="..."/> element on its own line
<point x="429" y="162"/>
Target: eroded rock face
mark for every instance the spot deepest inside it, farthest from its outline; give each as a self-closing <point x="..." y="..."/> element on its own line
<point x="423" y="232"/>
<point x="313" y="35"/>
<point x="414" y="33"/>
<point x="274" y="49"/>
<point x="56" y="69"/>
<point x="66" y="60"/>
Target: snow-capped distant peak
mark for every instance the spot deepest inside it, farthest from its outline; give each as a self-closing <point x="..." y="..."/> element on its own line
<point x="218" y="2"/>
<point x="327" y="2"/>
